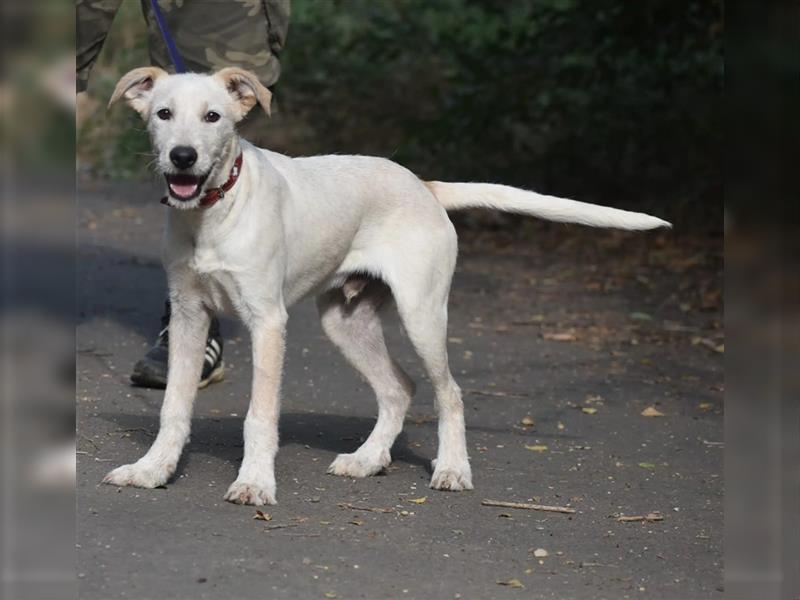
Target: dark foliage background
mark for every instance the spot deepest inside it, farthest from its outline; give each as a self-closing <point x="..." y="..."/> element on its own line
<point x="610" y="101"/>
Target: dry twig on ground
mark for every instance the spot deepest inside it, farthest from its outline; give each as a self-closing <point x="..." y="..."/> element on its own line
<point x="526" y="506"/>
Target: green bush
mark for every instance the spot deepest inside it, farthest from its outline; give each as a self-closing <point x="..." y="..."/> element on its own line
<point x="606" y="100"/>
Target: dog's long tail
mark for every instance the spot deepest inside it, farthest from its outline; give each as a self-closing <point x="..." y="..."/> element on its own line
<point x="454" y="196"/>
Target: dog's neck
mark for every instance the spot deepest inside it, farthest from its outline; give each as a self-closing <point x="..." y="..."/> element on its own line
<point x="222" y="171"/>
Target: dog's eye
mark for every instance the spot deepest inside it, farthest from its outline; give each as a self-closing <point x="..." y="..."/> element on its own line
<point x="164" y="114"/>
<point x="211" y="117"/>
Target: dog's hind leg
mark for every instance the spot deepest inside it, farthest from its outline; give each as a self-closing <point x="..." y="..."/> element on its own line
<point x="421" y="285"/>
<point x="354" y="325"/>
<point x="426" y="326"/>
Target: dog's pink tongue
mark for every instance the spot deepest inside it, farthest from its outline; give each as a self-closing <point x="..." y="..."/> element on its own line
<point x="183" y="190"/>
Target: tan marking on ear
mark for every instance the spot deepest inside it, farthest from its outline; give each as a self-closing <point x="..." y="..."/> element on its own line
<point x="135" y="87"/>
<point x="245" y="88"/>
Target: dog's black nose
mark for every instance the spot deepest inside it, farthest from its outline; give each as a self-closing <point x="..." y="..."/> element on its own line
<point x="183" y="157"/>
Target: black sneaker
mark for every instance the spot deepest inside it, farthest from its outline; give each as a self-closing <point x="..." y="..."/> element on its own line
<point x="151" y="371"/>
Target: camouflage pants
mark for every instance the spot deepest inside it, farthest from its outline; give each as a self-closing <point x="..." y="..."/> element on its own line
<point x="209" y="34"/>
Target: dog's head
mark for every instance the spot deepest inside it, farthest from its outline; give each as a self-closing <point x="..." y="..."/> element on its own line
<point x="191" y="119"/>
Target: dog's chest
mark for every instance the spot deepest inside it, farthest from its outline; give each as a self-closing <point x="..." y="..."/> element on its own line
<point x="207" y="260"/>
<point x="218" y="282"/>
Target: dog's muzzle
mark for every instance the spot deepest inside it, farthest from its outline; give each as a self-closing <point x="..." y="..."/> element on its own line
<point x="185" y="187"/>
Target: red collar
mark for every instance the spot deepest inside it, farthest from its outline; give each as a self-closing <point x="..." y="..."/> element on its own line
<point x="211" y="196"/>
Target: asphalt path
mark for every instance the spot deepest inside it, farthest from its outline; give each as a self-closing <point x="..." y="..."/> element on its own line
<point x="558" y="349"/>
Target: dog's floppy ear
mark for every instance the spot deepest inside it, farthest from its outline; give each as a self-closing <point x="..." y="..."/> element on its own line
<point x="245" y="88"/>
<point x="135" y="86"/>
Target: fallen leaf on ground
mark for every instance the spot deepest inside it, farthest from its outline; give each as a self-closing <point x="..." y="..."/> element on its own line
<point x="562" y="336"/>
<point x="357" y="522"/>
<point x="705" y="407"/>
<point x="422" y="500"/>
<point x="512" y="583"/>
<point x="534" y="320"/>
<point x="640" y="316"/>
<point x="647" y="465"/>
<point x="527" y="422"/>
<point x="710" y="344"/>
<point x="541" y="553"/>
<point x="262" y="516"/>
<point x="331" y="595"/>
<point x="681" y="264"/>
<point x="652" y="411"/>
<point x="711" y="299"/>
<point x="536" y="448"/>
<point x="589" y="410"/>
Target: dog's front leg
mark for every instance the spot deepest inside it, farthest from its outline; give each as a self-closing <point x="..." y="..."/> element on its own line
<point x="256" y="481"/>
<point x="188" y="329"/>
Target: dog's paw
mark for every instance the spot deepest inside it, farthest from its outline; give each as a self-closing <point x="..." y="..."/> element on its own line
<point x="359" y="464"/>
<point x="138" y="475"/>
<point x="251" y="493"/>
<point x="451" y="478"/>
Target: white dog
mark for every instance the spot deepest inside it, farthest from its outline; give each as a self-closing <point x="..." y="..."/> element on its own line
<point x="253" y="231"/>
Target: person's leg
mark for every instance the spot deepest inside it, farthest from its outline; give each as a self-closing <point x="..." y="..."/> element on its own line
<point x="210" y="36"/>
<point x="151" y="370"/>
<point x="93" y="21"/>
<point x="213" y="35"/>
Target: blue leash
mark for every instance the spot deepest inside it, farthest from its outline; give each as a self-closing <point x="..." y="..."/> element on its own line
<point x="172" y="50"/>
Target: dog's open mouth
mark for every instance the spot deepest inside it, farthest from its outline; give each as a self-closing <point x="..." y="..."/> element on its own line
<point x="185" y="187"/>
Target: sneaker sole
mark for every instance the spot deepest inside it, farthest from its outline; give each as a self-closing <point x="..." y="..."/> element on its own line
<point x="217" y="375"/>
<point x="148" y="381"/>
